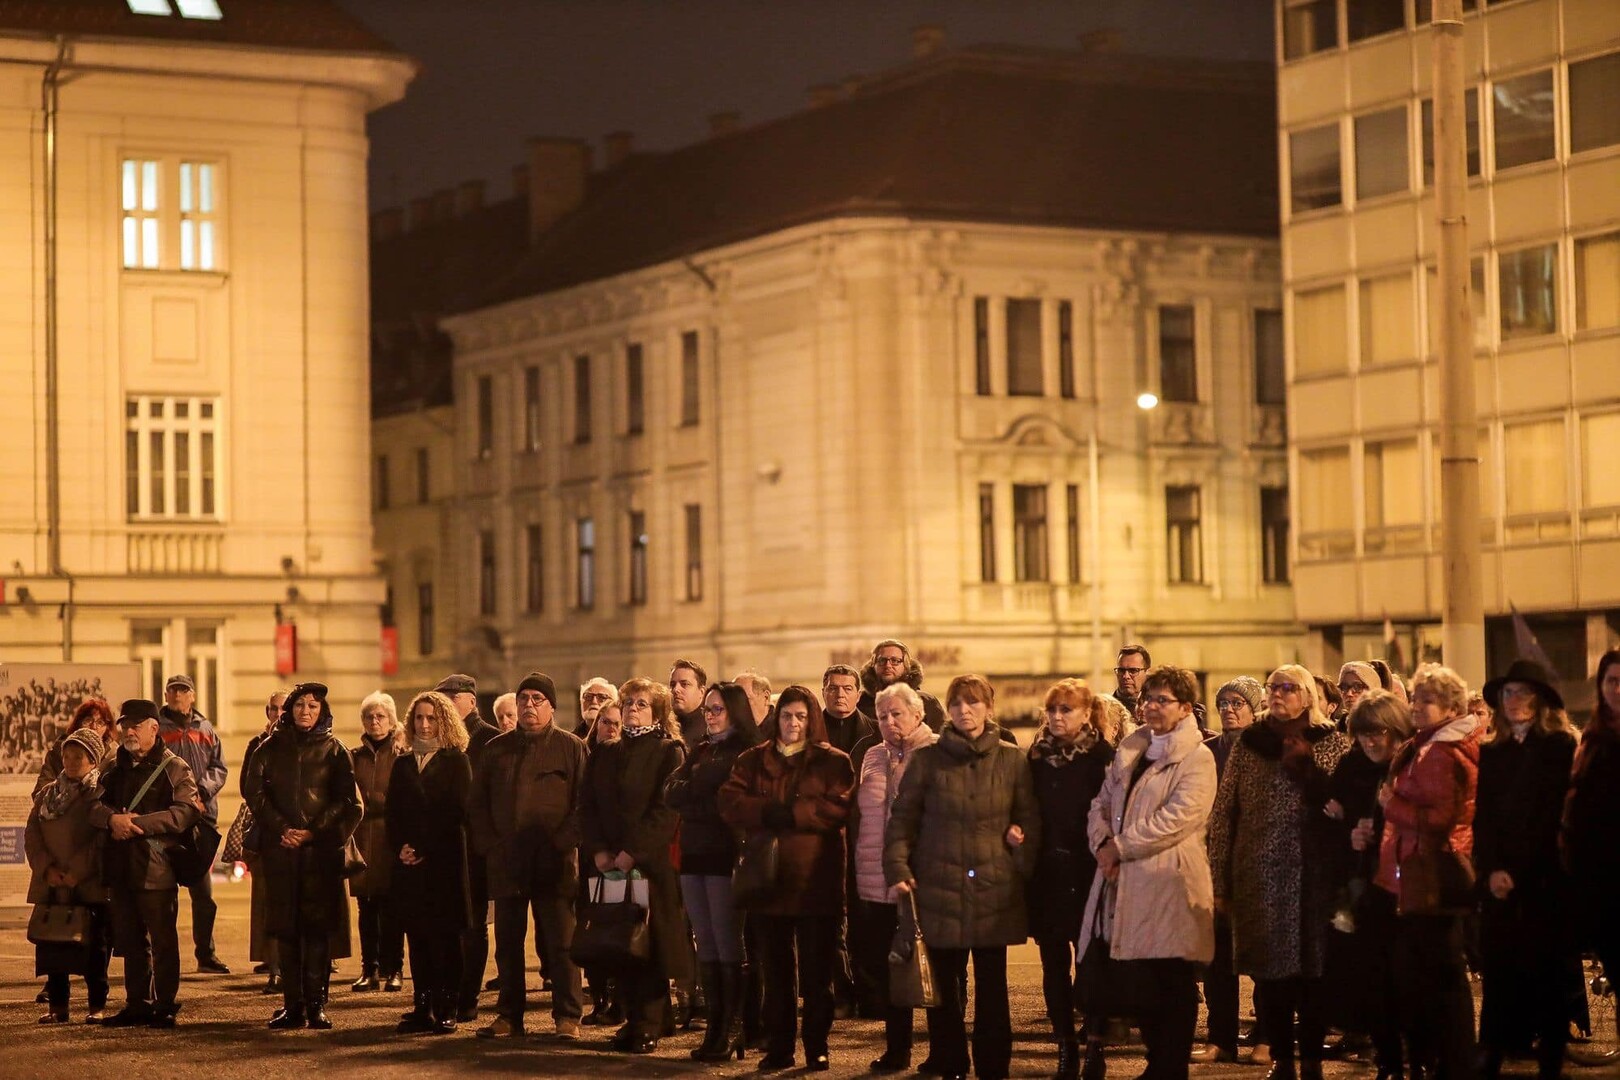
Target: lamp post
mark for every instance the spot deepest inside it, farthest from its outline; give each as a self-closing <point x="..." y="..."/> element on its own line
<point x="1146" y="402"/>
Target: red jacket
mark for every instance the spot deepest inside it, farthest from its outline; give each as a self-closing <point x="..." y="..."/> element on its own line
<point x="1434" y="777"/>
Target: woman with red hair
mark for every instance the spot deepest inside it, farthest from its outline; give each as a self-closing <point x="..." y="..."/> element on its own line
<point x="93" y="713"/>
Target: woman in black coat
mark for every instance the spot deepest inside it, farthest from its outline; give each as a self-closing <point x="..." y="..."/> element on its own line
<point x="427" y="830"/>
<point x="300" y="784"/>
<point x="1068" y="763"/>
<point x="1592" y="821"/>
<point x="629" y="826"/>
<point x="1529" y="956"/>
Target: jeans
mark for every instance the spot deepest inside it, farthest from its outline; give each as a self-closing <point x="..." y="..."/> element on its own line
<point x="714" y="918"/>
<point x="992" y="1023"/>
<point x="816" y="938"/>
<point x="554" y="929"/>
<point x="145" y="926"/>
<point x="203" y="911"/>
<point x="382" y="939"/>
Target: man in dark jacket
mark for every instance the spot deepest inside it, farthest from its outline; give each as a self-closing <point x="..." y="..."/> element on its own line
<point x="687" y="684"/>
<point x="190" y="737"/>
<point x="892" y="662"/>
<point x="145" y="895"/>
<point x="462" y="690"/>
<point x="855" y="978"/>
<point x="524" y="818"/>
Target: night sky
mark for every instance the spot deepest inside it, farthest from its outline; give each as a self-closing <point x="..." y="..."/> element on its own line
<point x="495" y="72"/>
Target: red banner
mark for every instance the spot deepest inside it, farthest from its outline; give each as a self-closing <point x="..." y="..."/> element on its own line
<point x="286" y="648"/>
<point x="389" y="640"/>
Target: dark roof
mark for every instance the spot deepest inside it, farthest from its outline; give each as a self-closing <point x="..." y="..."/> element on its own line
<point x="318" y="25"/>
<point x="991" y="134"/>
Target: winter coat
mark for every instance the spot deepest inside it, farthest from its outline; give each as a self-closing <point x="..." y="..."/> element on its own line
<point x="1273" y="852"/>
<point x="1357" y="963"/>
<point x="881" y="769"/>
<point x="164" y="812"/>
<point x="1065" y="863"/>
<point x="1433" y="780"/>
<point x="427" y="809"/>
<point x="708" y="844"/>
<point x="1161" y="905"/>
<point x="480" y="733"/>
<point x="624" y="809"/>
<point x="194" y="740"/>
<point x="947" y="832"/>
<point x="1354" y="786"/>
<point x="693" y="727"/>
<point x="373" y="762"/>
<point x="933" y="711"/>
<point x="813" y="786"/>
<point x="70" y="843"/>
<point x="523" y="815"/>
<point x="304" y="780"/>
<point x="844" y="732"/>
<point x="1591" y="822"/>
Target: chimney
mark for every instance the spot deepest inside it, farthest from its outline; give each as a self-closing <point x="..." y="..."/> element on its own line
<point x="927" y="40"/>
<point x="616" y="148"/>
<point x="724" y="123"/>
<point x="558" y="170"/>
<point x="1106" y="40"/>
<point x="386" y="224"/>
<point x="520" y="180"/>
<point x="444" y="204"/>
<point x="823" y="94"/>
<point x="420" y="213"/>
<point x="469" y="197"/>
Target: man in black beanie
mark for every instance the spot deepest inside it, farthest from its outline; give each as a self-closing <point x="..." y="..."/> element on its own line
<point x="523" y="815"/>
<point x="462" y="690"/>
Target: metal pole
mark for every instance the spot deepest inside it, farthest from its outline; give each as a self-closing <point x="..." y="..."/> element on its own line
<point x="1463" y="613"/>
<point x="1094" y="511"/>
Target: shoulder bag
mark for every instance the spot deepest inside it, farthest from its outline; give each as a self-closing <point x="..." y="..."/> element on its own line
<point x="911" y="976"/>
<point x="611" y="934"/>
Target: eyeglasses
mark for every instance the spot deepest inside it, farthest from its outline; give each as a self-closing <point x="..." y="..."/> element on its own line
<point x="714" y="710"/>
<point x="1282" y="688"/>
<point x="1352" y="688"/>
<point x="528" y="698"/>
<point x="888" y="661"/>
<point x="595" y="699"/>
<point x="1230" y="705"/>
<point x="1129" y="670"/>
<point x="1162" y="701"/>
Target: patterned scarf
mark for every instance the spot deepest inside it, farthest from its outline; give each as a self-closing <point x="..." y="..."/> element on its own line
<point x="637" y="732"/>
<point x="1057" y="753"/>
<point x="58" y="796"/>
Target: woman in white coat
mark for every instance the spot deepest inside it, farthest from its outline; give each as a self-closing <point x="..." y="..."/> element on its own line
<point x="1152" y="904"/>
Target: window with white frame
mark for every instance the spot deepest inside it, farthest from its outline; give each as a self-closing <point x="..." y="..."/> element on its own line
<point x="1184" y="544"/>
<point x="171" y="213"/>
<point x="169" y="647"/>
<point x="1597" y="281"/>
<point x="1522" y="112"/>
<point x="1381" y="153"/>
<point x="1527" y="291"/>
<point x="1388" y="320"/>
<point x="1320" y="332"/>
<point x="171" y="452"/>
<point x="1314" y="180"/>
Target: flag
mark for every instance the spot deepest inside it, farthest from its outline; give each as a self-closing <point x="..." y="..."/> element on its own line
<point x="1525" y="643"/>
<point x="1392" y="648"/>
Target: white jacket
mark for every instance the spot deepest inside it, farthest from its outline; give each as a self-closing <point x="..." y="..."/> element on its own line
<point x="1163" y="903"/>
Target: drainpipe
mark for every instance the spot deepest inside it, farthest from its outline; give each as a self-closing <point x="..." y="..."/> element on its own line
<point x="713" y="288"/>
<point x="50" y="99"/>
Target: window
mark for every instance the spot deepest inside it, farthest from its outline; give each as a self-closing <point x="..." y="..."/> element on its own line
<point x="1388" y="321"/>
<point x="485" y="404"/>
<point x="1476" y="305"/>
<point x="1522" y="112"/>
<point x="690" y="390"/>
<point x="987" y="532"/>
<point x="170" y="453"/>
<point x="1597" y="281"/>
<point x="534" y="591"/>
<point x="1024" y="348"/>
<point x="531" y="409"/>
<point x="1369" y="18"/>
<point x="584" y="564"/>
<point x="157" y="648"/>
<point x="424" y="488"/>
<point x="189" y="9"/>
<point x="1324" y="491"/>
<point x="1309" y="26"/>
<point x="1319" y="332"/>
<point x="141" y="214"/>
<point x="1381" y="153"/>
<point x="1065" y="315"/>
<point x="1527" y="291"/>
<point x="1178" y="353"/>
<point x="1425" y="12"/>
<point x="1392" y="485"/>
<point x="382" y="482"/>
<point x="170" y="214"/>
<point x="486" y="573"/>
<point x="1270" y="377"/>
<point x="981" y="345"/>
<point x="582" y="399"/>
<point x="694" y="551"/>
<point x="196" y="215"/>
<point x="1471" y="125"/>
<point x="638" y="558"/>
<point x="1029" y="533"/>
<point x="634" y="410"/>
<point x="1594" y="87"/>
<point x="1183" y="542"/>
<point x="1274" y="535"/>
<point x="424" y="618"/>
<point x="1600" y="480"/>
<point x="1536" y="463"/>
<point x="1072" y="529"/>
<point x="1313" y="168"/>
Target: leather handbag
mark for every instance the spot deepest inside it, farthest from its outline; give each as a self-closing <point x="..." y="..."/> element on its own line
<point x="1437" y="880"/>
<point x="354" y="863"/>
<point x="59" y="921"/>
<point x="753" y="879"/>
<point x="1104" y="986"/>
<point x="911" y="976"/>
<point x="611" y="934"/>
<point x="235" y="849"/>
<point x="192" y="858"/>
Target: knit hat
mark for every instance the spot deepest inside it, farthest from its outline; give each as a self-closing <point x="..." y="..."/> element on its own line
<point x="137" y="709"/>
<point x="1249" y="689"/>
<point x="1363" y="671"/>
<point x="89" y="741"/>
<point x="536" y="680"/>
<point x="457" y="684"/>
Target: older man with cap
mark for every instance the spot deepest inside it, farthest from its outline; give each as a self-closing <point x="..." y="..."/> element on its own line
<point x="462" y="690"/>
<point x="148" y="798"/>
<point x="523" y="815"/>
<point x="188" y="734"/>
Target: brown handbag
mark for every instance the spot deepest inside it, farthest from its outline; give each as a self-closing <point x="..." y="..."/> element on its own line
<point x="1437" y="880"/>
<point x="59" y="921"/>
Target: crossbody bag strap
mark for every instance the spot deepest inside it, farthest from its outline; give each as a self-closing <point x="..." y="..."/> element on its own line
<point x="150" y="780"/>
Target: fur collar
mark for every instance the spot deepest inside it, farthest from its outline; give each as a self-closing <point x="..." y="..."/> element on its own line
<point x="1261" y="738"/>
<point x="872" y="684"/>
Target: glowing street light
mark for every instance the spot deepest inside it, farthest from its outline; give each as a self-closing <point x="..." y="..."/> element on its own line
<point x="1146" y="400"/>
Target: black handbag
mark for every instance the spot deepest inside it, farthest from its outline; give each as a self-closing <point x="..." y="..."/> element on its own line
<point x="192" y="858"/>
<point x="753" y="879"/>
<point x="911" y="975"/>
<point x="1104" y="986"/>
<point x="613" y="934"/>
<point x="59" y="921"/>
<point x="354" y="863"/>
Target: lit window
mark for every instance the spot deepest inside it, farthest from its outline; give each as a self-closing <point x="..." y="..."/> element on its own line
<point x="140" y="201"/>
<point x="1393" y="484"/>
<point x="150" y="7"/>
<point x="199" y="9"/>
<point x="196" y="215"/>
<point x="1597" y="281"/>
<point x="171" y="214"/>
<point x="584" y="564"/>
<point x="170" y="451"/>
<point x="1527" y="291"/>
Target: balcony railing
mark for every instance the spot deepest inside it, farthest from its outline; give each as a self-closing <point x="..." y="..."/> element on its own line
<point x="175" y="550"/>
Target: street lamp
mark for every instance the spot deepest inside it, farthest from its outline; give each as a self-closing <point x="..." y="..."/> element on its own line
<point x="1145" y="401"/>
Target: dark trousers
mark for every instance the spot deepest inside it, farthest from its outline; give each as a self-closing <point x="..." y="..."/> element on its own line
<point x="306" y="965"/>
<point x="872" y="932"/>
<point x="1437" y="1005"/>
<point x="1221" y="990"/>
<point x="1057" y="984"/>
<point x="992" y="1023"/>
<point x="554" y="929"/>
<point x="1168" y="1015"/>
<point x="97" y="953"/>
<point x="145" y="925"/>
<point x="1285" y="999"/>
<point x="436" y="968"/>
<point x="382" y="939"/>
<point x="203" y="911"/>
<point x="816" y="938"/>
<point x="475" y="942"/>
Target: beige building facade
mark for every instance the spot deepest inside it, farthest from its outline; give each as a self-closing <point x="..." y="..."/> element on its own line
<point x="183" y="344"/>
<point x="1359" y="247"/>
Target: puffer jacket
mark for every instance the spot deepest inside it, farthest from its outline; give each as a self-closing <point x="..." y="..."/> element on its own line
<point x="708" y="844"/>
<point x="947" y="833"/>
<point x="1162" y="905"/>
<point x="70" y="843"/>
<point x="882" y="769"/>
<point x="164" y="812"/>
<point x="373" y="764"/>
<point x="523" y="813"/>
<point x="814" y="785"/>
<point x="1434" y="778"/>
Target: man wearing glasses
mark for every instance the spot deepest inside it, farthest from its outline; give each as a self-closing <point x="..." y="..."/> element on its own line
<point x="891" y="662"/>
<point x="1132" y="664"/>
<point x="595" y="693"/>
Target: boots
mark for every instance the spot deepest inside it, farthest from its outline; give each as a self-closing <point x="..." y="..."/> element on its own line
<point x="1068" y="1062"/>
<point x="419" y="1018"/>
<point x="445" y="1004"/>
<point x="317" y="973"/>
<point x="1096" y="1065"/>
<point x="754" y="1033"/>
<point x="367" y="981"/>
<point x="709" y="990"/>
<point x="726" y="1017"/>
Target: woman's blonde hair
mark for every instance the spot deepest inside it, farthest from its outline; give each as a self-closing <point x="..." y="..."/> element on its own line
<point x="1301" y="677"/>
<point x="379" y="700"/>
<point x="452" y="732"/>
<point x="1445" y="684"/>
<point x="658" y="697"/>
<point x="1547" y="721"/>
<point x="1078" y="695"/>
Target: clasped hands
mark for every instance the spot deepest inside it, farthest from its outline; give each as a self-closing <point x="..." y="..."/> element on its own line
<point x="621" y="862"/>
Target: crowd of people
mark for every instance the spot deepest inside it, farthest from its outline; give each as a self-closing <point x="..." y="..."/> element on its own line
<point x="1355" y="847"/>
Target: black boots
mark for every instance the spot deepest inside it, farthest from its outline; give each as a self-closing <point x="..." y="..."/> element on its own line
<point x="724" y="1039"/>
<point x="419" y="1018"/>
<point x="1068" y="1062"/>
<point x="445" y="1010"/>
<point x="1096" y="1065"/>
<point x="709" y="988"/>
<point x="367" y="981"/>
